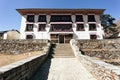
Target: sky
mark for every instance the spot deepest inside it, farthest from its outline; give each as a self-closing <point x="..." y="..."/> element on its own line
<point x="11" y="19"/>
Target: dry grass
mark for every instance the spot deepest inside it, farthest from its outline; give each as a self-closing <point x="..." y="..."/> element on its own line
<point x="7" y="59"/>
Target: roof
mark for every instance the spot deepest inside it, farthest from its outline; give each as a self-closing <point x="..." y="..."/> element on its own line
<point x="2" y="32"/>
<point x="59" y="10"/>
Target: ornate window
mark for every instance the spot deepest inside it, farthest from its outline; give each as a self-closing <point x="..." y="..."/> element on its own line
<point x="61" y="27"/>
<point x="92" y="27"/>
<point x="80" y="27"/>
<point x="30" y="18"/>
<point x="60" y="18"/>
<point x="79" y="18"/>
<point x="41" y="27"/>
<point x="91" y="18"/>
<point x="29" y="27"/>
<point x="42" y="18"/>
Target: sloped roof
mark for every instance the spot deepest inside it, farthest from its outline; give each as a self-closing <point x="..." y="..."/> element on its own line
<point x="2" y="32"/>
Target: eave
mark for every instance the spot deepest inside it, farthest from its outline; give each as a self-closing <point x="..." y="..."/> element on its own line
<point x="49" y="11"/>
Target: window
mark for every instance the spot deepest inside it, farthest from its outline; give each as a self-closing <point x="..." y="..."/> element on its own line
<point x="91" y="18"/>
<point x="61" y="27"/>
<point x="29" y="36"/>
<point x="92" y="27"/>
<point x="42" y="18"/>
<point x="79" y="18"/>
<point x="93" y="36"/>
<point x="41" y="27"/>
<point x="29" y="27"/>
<point x="60" y="18"/>
<point x="30" y="18"/>
<point x="80" y="27"/>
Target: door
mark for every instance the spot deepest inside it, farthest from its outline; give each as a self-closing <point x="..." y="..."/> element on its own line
<point x="54" y="38"/>
<point x="68" y="37"/>
<point x="61" y="38"/>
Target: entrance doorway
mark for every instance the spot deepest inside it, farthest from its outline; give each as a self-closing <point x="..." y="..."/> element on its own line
<point x="61" y="38"/>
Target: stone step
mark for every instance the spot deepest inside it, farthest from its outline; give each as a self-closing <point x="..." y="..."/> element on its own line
<point x="64" y="54"/>
<point x="63" y="57"/>
<point x="67" y="49"/>
<point x="63" y="50"/>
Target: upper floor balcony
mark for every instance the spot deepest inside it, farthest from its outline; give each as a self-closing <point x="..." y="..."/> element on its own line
<point x="60" y="18"/>
<point x="61" y="28"/>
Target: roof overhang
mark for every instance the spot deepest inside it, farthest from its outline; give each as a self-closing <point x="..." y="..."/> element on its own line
<point x="49" y="11"/>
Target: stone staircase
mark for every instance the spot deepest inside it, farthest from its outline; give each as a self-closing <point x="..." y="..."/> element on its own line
<point x="62" y="51"/>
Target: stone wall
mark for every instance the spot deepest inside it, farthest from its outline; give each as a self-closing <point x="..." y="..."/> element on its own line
<point x="99" y="44"/>
<point x="99" y="69"/>
<point x="23" y="69"/>
<point x="21" y="46"/>
<point x="105" y="49"/>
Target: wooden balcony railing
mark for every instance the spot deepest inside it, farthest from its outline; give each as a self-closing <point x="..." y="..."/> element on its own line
<point x="61" y="30"/>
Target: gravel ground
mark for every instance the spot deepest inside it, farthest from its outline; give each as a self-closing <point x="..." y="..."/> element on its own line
<point x="7" y="59"/>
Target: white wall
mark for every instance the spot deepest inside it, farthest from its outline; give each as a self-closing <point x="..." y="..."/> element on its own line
<point x="11" y="35"/>
<point x="76" y="34"/>
<point x="22" y="29"/>
<point x="36" y="34"/>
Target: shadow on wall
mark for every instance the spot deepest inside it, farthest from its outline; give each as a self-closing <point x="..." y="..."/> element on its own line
<point x="82" y="52"/>
<point x="43" y="72"/>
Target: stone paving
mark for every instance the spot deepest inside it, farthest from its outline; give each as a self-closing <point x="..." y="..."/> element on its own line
<point x="62" y="69"/>
<point x="62" y="65"/>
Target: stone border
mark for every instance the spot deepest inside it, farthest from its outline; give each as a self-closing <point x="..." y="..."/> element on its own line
<point x="100" y="69"/>
<point x="23" y="69"/>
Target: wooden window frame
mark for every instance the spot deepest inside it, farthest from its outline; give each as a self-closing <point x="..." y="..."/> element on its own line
<point x="93" y="36"/>
<point x="42" y="18"/>
<point x="92" y="28"/>
<point x="29" y="36"/>
<point x="79" y="18"/>
<point x="31" y="27"/>
<point x="80" y="29"/>
<point x="42" y="29"/>
<point x="30" y="18"/>
<point x="91" y="18"/>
